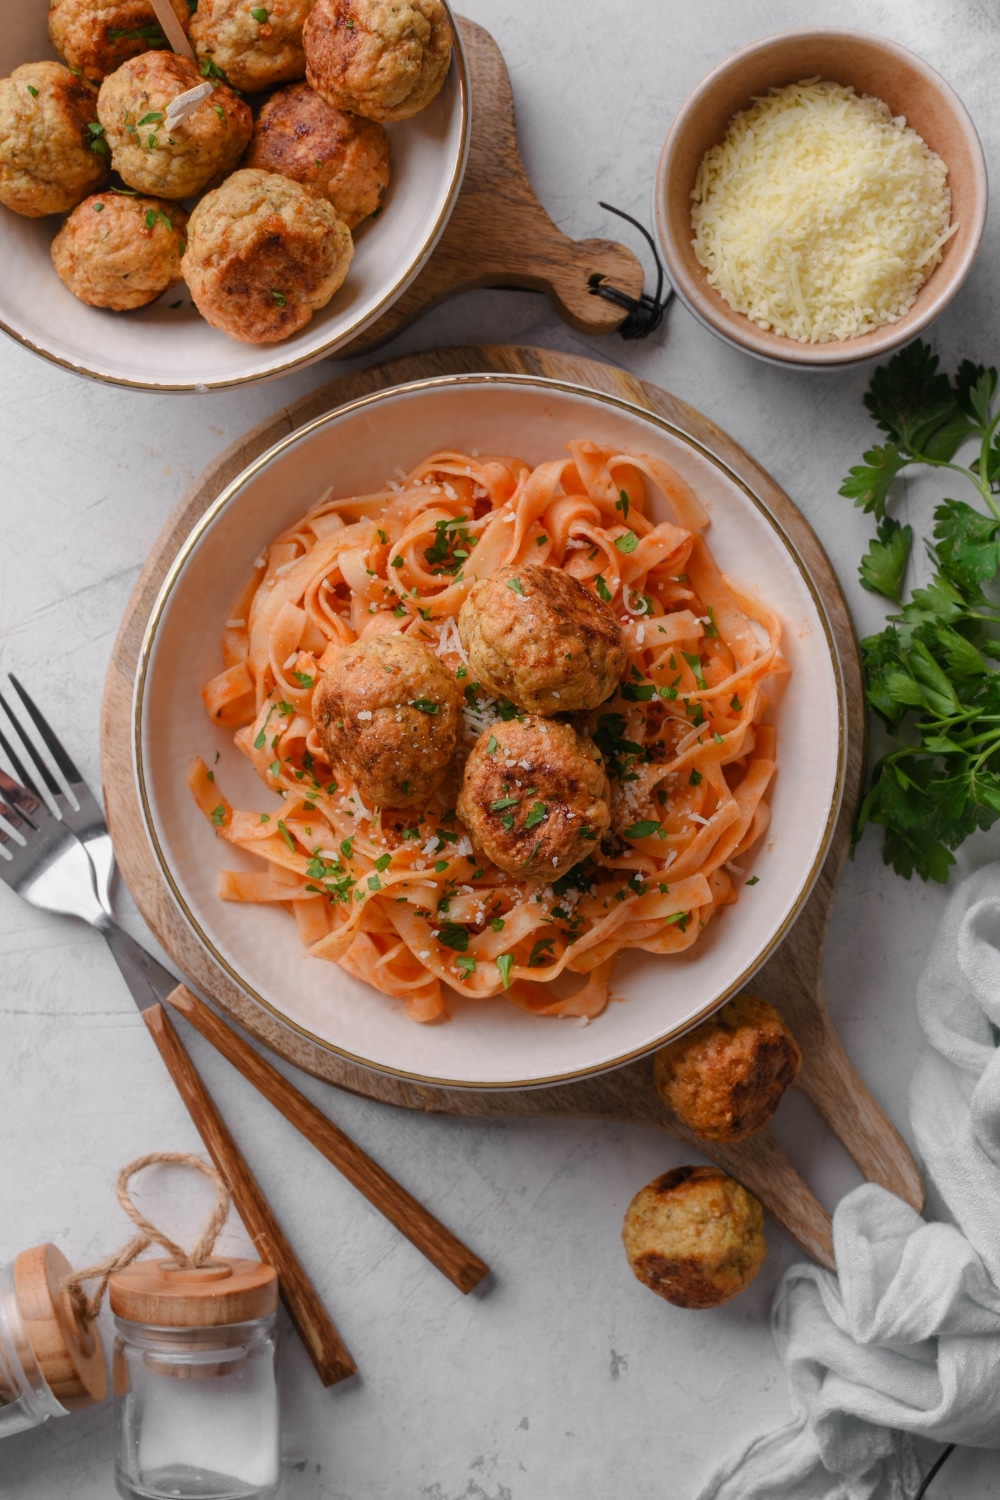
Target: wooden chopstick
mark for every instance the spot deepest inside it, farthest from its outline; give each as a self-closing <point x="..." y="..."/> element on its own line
<point x="325" y="1347"/>
<point x="442" y="1248"/>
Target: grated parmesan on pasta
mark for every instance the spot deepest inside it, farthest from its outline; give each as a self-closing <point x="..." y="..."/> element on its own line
<point x="820" y="215"/>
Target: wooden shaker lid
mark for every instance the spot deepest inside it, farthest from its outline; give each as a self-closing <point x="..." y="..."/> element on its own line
<point x="166" y="1295"/>
<point x="68" y="1351"/>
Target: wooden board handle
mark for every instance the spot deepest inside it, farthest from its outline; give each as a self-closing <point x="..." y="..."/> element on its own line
<point x="829" y="1080"/>
<point x="442" y="1248"/>
<point x="324" y="1344"/>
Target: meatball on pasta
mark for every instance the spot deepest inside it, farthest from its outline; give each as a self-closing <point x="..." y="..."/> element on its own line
<point x="51" y="151"/>
<point x="725" y="1078"/>
<point x="340" y="156"/>
<point x="535" y="797"/>
<point x="256" y="47"/>
<point x="387" y="712"/>
<point x="542" y="639"/>
<point x="97" y="36"/>
<point x="384" y="59"/>
<point x="170" y="161"/>
<point x="120" y="252"/>
<point x="694" y="1237"/>
<point x="263" y="255"/>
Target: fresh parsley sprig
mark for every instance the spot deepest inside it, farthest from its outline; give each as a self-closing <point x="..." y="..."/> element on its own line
<point x="928" y="674"/>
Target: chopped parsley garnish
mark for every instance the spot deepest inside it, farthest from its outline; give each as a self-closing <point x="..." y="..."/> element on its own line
<point x="303" y="679"/>
<point x="694" y="662"/>
<point x="541" y="950"/>
<point x="541" y="540"/>
<point x="695" y="779"/>
<point x="286" y="835"/>
<point x="537" y="815"/>
<point x="628" y="542"/>
<point x="642" y="829"/>
<point x="440" y="865"/>
<point x="491" y="744"/>
<point x="507" y="821"/>
<point x="753" y="880"/>
<point x="603" y="592"/>
<point x="453" y="935"/>
<point x="425" y="705"/>
<point x="265" y="817"/>
<point x="466" y="964"/>
<point x="32" y="90"/>
<point x="622" y="504"/>
<point x="709" y="626"/>
<point x="668" y="692"/>
<point x="374" y="884"/>
<point x="260" y="15"/>
<point x="347" y="847"/>
<point x="383" y="862"/>
<point x="504" y="963"/>
<point x="735" y="704"/>
<point x="152" y="35"/>
<point x="638" y="692"/>
<point x="151" y="218"/>
<point x="219" y="815"/>
<point x="280" y="299"/>
<point x="514" y="584"/>
<point x="397" y="562"/>
<point x="503" y="802"/>
<point x="261" y="739"/>
<point x="497" y="923"/>
<point x="275" y="768"/>
<point x="679" y="919"/>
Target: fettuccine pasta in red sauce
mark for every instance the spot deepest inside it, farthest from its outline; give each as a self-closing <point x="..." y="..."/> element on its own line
<point x="401" y="898"/>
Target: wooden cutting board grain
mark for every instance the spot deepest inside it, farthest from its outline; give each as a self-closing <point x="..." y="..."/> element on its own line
<point x="792" y="977"/>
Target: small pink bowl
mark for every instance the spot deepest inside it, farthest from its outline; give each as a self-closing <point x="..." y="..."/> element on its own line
<point x="871" y="65"/>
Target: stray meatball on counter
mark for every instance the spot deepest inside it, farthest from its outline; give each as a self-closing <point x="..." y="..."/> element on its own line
<point x="388" y="712"/>
<point x="384" y="59"/>
<point x="50" y="156"/>
<point x="97" y="36"/>
<point x="535" y="797"/>
<point x="254" y="47"/>
<point x="340" y="156"/>
<point x="537" y="636"/>
<point x="120" y="252"/>
<point x="694" y="1237"/>
<point x="263" y="255"/>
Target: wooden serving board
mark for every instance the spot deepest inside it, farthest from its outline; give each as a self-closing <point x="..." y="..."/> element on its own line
<point x="499" y="234"/>
<point x="791" y="979"/>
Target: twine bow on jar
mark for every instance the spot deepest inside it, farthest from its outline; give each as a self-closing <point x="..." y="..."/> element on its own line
<point x="88" y="1308"/>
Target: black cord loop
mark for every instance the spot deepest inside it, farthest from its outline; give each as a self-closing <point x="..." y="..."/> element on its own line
<point x="645" y="313"/>
<point x="930" y="1475"/>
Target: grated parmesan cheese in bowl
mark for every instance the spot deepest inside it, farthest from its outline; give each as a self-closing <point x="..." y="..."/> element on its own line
<point x="819" y="215"/>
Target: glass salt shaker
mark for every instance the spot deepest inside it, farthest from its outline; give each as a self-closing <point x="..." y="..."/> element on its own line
<point x="194" y="1380"/>
<point x="51" y="1360"/>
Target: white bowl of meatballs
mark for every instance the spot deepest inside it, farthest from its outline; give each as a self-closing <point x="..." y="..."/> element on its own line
<point x="484" y="770"/>
<point x="191" y="220"/>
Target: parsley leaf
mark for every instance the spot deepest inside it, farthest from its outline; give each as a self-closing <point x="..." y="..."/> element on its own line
<point x="884" y="563"/>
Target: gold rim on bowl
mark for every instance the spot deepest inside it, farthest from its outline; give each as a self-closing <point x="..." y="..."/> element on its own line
<point x="541" y="383"/>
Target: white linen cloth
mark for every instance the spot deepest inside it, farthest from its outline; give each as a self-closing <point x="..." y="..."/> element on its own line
<point x="906" y="1338"/>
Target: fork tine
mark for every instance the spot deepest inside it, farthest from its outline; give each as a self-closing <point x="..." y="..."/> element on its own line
<point x="41" y="769"/>
<point x="50" y="739"/>
<point x="18" y="768"/>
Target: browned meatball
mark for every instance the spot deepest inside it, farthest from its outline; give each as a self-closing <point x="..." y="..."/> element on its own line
<point x="340" y="156"/>
<point x="725" y="1078"/>
<point x="384" y="59"/>
<point x="263" y="255"/>
<point x="388" y="711"/>
<point x="179" y="161"/>
<point x="255" y="46"/>
<point x="694" y="1237"/>
<point x="539" y="637"/>
<point x="50" y="158"/>
<point x="535" y="797"/>
<point x="120" y="252"/>
<point x="97" y="36"/>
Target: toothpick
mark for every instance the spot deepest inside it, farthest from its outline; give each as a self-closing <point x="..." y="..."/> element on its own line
<point x="185" y="104"/>
<point x="172" y="28"/>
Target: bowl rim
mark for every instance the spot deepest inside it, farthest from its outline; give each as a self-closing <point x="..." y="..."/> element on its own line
<point x="835" y="353"/>
<point x="275" y="452"/>
<point x="301" y="361"/>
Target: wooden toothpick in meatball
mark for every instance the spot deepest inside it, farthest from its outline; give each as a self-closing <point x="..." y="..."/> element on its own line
<point x="255" y="46"/>
<point x="694" y="1237"/>
<point x="97" y="36"/>
<point x="51" y="151"/>
<point x="535" y="797"/>
<point x="340" y="156"/>
<point x="539" y="637"/>
<point x="725" y="1078"/>
<point x="120" y="252"/>
<point x="263" y="255"/>
<point x="384" y="59"/>
<point x="170" y="161"/>
<point x="388" y="712"/>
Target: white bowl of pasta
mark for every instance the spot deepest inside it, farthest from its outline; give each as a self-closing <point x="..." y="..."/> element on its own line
<point x="388" y="936"/>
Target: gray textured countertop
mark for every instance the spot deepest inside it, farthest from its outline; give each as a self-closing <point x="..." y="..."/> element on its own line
<point x="566" y="1378"/>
